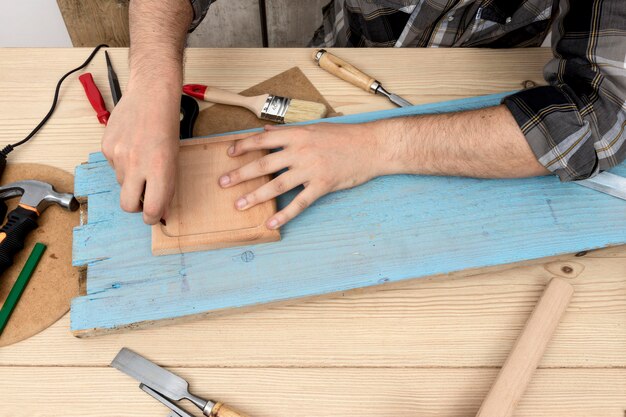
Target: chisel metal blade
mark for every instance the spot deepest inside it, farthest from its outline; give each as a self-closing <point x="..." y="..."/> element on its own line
<point x="159" y="379"/>
<point x="399" y="101"/>
<point x="394" y="98"/>
<point x="607" y="183"/>
<point x="175" y="411"/>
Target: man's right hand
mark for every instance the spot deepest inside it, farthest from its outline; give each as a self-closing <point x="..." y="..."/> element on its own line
<point x="141" y="143"/>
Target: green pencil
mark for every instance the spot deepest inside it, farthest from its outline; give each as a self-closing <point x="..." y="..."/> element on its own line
<point x="20" y="284"/>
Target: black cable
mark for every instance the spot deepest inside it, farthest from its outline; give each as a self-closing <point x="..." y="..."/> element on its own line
<point x="7" y="149"/>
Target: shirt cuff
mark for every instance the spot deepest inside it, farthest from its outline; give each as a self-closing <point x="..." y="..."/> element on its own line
<point x="558" y="135"/>
<point x="200" y="8"/>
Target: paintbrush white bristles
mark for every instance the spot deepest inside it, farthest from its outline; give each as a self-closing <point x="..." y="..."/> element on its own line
<point x="303" y="111"/>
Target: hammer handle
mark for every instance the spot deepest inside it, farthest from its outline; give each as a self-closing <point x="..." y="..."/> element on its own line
<point x="20" y="222"/>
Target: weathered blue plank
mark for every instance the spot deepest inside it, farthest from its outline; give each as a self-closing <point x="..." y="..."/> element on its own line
<point x="390" y="229"/>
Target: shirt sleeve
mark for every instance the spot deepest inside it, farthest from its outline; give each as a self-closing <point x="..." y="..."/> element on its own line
<point x="200" y="8"/>
<point x="576" y="125"/>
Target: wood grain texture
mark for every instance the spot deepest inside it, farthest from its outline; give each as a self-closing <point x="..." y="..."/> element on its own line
<point x="73" y="132"/>
<point x="344" y="70"/>
<point x="520" y="365"/>
<point x="232" y="23"/>
<point x="388" y="230"/>
<point x="91" y="23"/>
<point x="444" y="322"/>
<point x="202" y="214"/>
<point x="446" y="330"/>
<point x="344" y="392"/>
<point x="223" y="410"/>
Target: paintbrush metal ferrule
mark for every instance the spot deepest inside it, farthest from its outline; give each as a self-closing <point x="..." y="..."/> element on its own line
<point x="275" y="108"/>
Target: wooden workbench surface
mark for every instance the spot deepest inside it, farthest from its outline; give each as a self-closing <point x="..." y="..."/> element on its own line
<point x="427" y="348"/>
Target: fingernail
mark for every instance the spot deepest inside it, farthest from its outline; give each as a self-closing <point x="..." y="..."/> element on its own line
<point x="241" y="203"/>
<point x="224" y="180"/>
<point x="231" y="150"/>
<point x="272" y="224"/>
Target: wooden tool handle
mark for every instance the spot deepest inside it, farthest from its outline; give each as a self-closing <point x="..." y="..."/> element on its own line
<point x="221" y="410"/>
<point x="347" y="72"/>
<point x="217" y="95"/>
<point x="521" y="363"/>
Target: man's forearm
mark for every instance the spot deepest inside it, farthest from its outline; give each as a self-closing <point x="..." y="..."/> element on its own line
<point x="484" y="143"/>
<point x="158" y="30"/>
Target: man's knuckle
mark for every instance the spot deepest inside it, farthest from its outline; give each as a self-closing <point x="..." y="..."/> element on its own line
<point x="262" y="165"/>
<point x="235" y="176"/>
<point x="279" y="186"/>
<point x="127" y="206"/>
<point x="301" y="203"/>
<point x="260" y="138"/>
<point x="151" y="211"/>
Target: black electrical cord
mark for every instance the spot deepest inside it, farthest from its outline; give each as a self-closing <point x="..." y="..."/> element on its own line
<point x="7" y="149"/>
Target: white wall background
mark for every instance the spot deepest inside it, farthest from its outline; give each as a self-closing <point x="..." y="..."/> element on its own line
<point x="32" y="23"/>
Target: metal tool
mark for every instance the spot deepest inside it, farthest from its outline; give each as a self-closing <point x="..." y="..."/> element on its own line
<point x="354" y="76"/>
<point x="36" y="197"/>
<point x="607" y="183"/>
<point x="166" y="384"/>
<point x="176" y="411"/>
<point x="116" y="91"/>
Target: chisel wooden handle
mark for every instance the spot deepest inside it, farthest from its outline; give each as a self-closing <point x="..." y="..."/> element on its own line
<point x="347" y="72"/>
<point x="221" y="410"/>
<point x="521" y="363"/>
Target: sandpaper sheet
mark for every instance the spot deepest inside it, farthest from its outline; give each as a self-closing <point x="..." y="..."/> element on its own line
<point x="220" y="118"/>
<point x="55" y="281"/>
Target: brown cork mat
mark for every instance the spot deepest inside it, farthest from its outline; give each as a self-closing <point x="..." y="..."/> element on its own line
<point x="55" y="282"/>
<point x="220" y="118"/>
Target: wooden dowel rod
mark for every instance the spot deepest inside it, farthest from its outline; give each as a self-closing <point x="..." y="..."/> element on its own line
<point x="525" y="356"/>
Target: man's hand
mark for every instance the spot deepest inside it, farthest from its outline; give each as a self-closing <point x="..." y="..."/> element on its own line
<point x="141" y="144"/>
<point x="484" y="143"/>
<point x="141" y="138"/>
<point x="323" y="158"/>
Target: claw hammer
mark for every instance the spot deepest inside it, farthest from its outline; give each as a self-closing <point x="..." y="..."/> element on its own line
<point x="36" y="197"/>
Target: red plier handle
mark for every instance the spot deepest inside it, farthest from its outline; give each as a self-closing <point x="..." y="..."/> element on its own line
<point x="95" y="98"/>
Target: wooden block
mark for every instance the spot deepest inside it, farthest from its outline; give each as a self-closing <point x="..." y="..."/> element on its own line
<point x="203" y="214"/>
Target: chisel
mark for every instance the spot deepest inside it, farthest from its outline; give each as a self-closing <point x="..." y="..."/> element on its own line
<point x="167" y="384"/>
<point x="347" y="72"/>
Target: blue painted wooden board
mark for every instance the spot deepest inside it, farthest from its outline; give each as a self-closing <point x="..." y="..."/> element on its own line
<point x="390" y="229"/>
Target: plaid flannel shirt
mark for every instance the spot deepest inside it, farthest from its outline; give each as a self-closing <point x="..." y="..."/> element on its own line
<point x="576" y="125"/>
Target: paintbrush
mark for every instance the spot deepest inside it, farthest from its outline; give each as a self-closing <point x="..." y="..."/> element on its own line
<point x="266" y="106"/>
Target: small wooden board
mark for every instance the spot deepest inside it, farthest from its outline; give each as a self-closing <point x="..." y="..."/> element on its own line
<point x="203" y="214"/>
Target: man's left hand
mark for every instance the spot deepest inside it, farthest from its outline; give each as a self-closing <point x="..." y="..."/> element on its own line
<point x="322" y="157"/>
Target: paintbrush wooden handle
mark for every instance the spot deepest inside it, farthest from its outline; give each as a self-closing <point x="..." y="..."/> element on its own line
<point x="340" y="68"/>
<point x="221" y="410"/>
<point x="521" y="363"/>
<point x="217" y="95"/>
